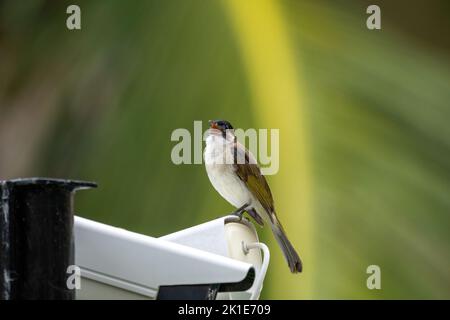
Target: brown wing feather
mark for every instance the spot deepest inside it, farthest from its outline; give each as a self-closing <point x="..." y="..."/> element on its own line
<point x="250" y="173"/>
<point x="252" y="212"/>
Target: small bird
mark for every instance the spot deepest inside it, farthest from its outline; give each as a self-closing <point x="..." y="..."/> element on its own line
<point x="236" y="176"/>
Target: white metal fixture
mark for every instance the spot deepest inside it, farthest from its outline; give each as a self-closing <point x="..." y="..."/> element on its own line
<point x="118" y="264"/>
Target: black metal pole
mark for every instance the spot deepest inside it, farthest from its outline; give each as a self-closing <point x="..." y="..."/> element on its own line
<point x="36" y="237"/>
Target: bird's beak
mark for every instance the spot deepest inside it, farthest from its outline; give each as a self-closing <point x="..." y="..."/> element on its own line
<point x="213" y="124"/>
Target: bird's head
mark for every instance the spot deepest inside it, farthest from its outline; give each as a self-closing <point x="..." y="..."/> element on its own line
<point x="221" y="125"/>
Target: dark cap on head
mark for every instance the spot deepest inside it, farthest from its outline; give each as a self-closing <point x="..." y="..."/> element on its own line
<point x="221" y="125"/>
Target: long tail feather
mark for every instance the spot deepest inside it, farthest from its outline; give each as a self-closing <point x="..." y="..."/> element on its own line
<point x="293" y="260"/>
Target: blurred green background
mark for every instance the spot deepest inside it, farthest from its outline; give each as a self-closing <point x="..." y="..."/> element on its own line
<point x="363" y="116"/>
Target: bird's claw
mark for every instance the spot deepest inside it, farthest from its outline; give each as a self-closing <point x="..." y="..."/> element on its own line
<point x="240" y="211"/>
<point x="238" y="214"/>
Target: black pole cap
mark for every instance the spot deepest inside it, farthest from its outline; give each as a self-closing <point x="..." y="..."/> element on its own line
<point x="36" y="237"/>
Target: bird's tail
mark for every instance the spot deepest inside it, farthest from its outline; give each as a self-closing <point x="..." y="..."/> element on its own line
<point x="293" y="260"/>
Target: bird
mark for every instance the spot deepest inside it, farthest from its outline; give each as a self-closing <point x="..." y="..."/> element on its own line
<point x="235" y="174"/>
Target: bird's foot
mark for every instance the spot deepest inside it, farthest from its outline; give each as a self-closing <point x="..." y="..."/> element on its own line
<point x="238" y="214"/>
<point x="240" y="211"/>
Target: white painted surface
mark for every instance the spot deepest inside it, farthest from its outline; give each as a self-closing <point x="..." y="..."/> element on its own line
<point x="140" y="264"/>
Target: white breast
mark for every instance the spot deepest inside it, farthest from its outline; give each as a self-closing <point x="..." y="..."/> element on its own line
<point x="221" y="172"/>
